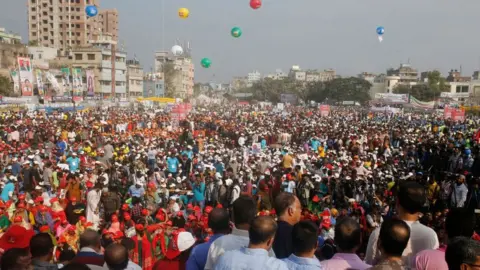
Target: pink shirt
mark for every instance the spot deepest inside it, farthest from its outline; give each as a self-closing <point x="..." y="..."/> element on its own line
<point x="345" y="261"/>
<point x="431" y="259"/>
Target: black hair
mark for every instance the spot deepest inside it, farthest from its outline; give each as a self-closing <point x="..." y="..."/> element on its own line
<point x="128" y="243"/>
<point x="66" y="255"/>
<point x="283" y="201"/>
<point x="10" y="258"/>
<point x="218" y="220"/>
<point x="304" y="237"/>
<point x="394" y="236"/>
<point x="244" y="210"/>
<point x="262" y="229"/>
<point x="460" y="222"/>
<point x="411" y="196"/>
<point x="41" y="244"/>
<point x="348" y="234"/>
<point x="461" y="250"/>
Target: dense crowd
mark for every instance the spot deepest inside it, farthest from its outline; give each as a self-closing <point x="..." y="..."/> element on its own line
<point x="238" y="187"/>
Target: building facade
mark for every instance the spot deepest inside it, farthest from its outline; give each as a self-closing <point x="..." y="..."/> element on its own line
<point x="311" y="75"/>
<point x="239" y="83"/>
<point x="108" y="22"/>
<point x="184" y="75"/>
<point x="278" y="75"/>
<point x="11" y="47"/>
<point x="134" y="79"/>
<point x="153" y="85"/>
<point x="253" y="77"/>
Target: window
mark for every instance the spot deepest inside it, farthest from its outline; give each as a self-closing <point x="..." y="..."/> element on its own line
<point x="78" y="25"/>
<point x="91" y="56"/>
<point x="34" y="17"/>
<point x="78" y="56"/>
<point x="39" y="56"/>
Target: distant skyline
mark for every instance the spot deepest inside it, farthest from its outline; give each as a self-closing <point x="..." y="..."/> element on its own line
<point x="314" y="34"/>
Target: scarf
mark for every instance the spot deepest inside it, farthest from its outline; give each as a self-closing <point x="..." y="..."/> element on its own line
<point x="146" y="260"/>
<point x="160" y="238"/>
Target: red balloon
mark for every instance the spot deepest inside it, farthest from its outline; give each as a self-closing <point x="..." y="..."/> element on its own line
<point x="255" y="4"/>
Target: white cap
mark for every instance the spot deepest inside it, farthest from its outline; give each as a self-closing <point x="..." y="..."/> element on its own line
<point x="185" y="241"/>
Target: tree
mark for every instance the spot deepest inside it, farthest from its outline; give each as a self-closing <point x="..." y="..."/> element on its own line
<point x="341" y="89"/>
<point x="425" y="91"/>
<point x="6" y="86"/>
<point x="33" y="43"/>
<point x="170" y="76"/>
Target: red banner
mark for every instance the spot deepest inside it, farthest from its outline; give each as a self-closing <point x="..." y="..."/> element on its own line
<point x="454" y="114"/>
<point x="324" y="110"/>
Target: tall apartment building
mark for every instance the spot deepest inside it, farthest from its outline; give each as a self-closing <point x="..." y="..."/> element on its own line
<point x="134" y="79"/>
<point x="183" y="80"/>
<point x="253" y="77"/>
<point x="108" y="22"/>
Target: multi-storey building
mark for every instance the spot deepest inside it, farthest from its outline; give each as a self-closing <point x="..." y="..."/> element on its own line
<point x="11" y="47"/>
<point x="108" y="22"/>
<point x="184" y="75"/>
<point x="253" y="77"/>
<point x="134" y="79"/>
<point x="153" y="85"/>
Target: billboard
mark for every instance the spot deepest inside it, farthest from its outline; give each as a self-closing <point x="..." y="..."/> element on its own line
<point x="26" y="76"/>
<point x="90" y="83"/>
<point x="66" y="80"/>
<point x="393" y="98"/>
<point x="16" y="80"/>
<point x="454" y="113"/>
<point x="324" y="110"/>
<point x="53" y="81"/>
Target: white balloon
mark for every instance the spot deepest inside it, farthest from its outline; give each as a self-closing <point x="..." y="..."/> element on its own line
<point x="177" y="50"/>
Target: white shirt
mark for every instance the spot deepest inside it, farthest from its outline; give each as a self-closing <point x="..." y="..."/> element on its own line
<point x="421" y="238"/>
<point x="236" y="240"/>
<point x="235" y="193"/>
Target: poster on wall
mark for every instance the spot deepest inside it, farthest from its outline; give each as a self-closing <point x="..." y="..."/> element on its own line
<point x="38" y="75"/>
<point x="90" y="83"/>
<point x="324" y="110"/>
<point x="26" y="76"/>
<point x="77" y="81"/>
<point x="16" y="80"/>
<point x="66" y="80"/>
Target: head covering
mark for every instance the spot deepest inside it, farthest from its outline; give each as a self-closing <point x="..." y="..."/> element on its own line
<point x="16" y="237"/>
<point x="181" y="241"/>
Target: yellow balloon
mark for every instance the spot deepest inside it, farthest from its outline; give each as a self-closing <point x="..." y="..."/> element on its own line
<point x="183" y="13"/>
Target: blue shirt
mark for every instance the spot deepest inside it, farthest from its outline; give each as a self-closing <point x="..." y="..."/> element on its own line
<point x="6" y="189"/>
<point x="16" y="167"/>
<point x="172" y="164"/>
<point x="136" y="192"/>
<point x="219" y="167"/>
<point x="61" y="147"/>
<point x="247" y="258"/>
<point x="198" y="256"/>
<point x="189" y="153"/>
<point x="199" y="192"/>
<point x="263" y="143"/>
<point x="73" y="163"/>
<point x="299" y="263"/>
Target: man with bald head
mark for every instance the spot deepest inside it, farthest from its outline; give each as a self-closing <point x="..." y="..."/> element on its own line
<point x="116" y="257"/>
<point x="90" y="251"/>
<point x="255" y="255"/>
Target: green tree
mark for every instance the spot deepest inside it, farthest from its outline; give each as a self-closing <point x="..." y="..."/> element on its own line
<point x="340" y="89"/>
<point x="33" y="43"/>
<point x="6" y="86"/>
<point x="425" y="91"/>
<point x="170" y="75"/>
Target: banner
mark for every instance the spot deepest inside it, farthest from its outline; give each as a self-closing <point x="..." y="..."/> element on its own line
<point x="77" y="81"/>
<point x="16" y="81"/>
<point x="26" y="76"/>
<point x="66" y="80"/>
<point x="38" y="75"/>
<point x="454" y="114"/>
<point x="393" y="98"/>
<point x="90" y="83"/>
<point x="53" y="81"/>
<point x="324" y="110"/>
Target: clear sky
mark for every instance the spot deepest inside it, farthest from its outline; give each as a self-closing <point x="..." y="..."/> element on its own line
<point x="339" y="34"/>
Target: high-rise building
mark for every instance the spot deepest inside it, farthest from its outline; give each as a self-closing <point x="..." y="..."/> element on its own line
<point x="61" y="24"/>
<point x="134" y="79"/>
<point x="108" y="22"/>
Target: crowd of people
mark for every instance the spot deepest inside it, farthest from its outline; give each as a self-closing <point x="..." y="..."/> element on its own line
<point x="238" y="187"/>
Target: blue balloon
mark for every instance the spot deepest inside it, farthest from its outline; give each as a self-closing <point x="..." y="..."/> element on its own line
<point x="380" y="30"/>
<point x="91" y="11"/>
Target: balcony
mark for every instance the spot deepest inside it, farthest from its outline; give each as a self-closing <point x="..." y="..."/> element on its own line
<point x="106" y="64"/>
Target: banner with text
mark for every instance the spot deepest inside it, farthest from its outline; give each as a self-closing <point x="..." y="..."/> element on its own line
<point x="38" y="75"/>
<point x="77" y="81"/>
<point x="16" y="81"/>
<point x="90" y="83"/>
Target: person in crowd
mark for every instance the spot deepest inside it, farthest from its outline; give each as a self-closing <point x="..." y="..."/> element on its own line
<point x="459" y="193"/>
<point x="244" y="211"/>
<point x="288" y="209"/>
<point x="411" y="198"/>
<point x="90" y="251"/>
<point x="392" y="241"/>
<point x="41" y="249"/>
<point x="255" y="256"/>
<point x="16" y="259"/>
<point x="219" y="223"/>
<point x="348" y="239"/>
<point x="304" y="242"/>
<point x="463" y="254"/>
<point x="129" y="244"/>
<point x="459" y="222"/>
<point x="177" y="255"/>
<point x="116" y="257"/>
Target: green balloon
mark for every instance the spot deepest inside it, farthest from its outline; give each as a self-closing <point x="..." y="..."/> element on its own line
<point x="206" y="62"/>
<point x="236" y="32"/>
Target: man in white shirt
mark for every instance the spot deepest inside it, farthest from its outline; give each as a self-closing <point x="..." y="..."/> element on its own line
<point x="459" y="193"/>
<point x="244" y="211"/>
<point x="410" y="200"/>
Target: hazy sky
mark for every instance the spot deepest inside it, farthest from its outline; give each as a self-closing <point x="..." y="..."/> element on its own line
<point x="339" y="34"/>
